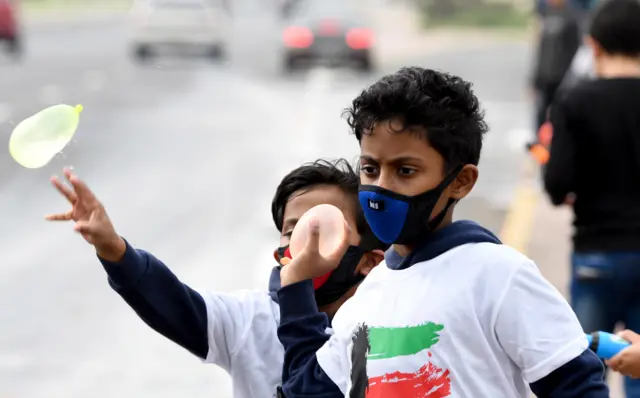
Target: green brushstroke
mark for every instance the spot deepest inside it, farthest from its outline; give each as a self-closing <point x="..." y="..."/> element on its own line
<point x="392" y="342"/>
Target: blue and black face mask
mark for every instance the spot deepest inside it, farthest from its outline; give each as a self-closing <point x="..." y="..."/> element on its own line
<point x="402" y="219"/>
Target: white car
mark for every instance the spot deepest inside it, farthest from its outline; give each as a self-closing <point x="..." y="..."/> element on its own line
<point x="160" y="25"/>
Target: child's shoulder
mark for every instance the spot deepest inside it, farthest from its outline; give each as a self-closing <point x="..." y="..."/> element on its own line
<point x="241" y="301"/>
<point x="498" y="258"/>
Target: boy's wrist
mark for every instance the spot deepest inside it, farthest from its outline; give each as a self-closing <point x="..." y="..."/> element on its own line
<point x="113" y="251"/>
<point x="289" y="276"/>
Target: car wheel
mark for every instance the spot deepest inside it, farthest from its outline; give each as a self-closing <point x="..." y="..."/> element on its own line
<point x="365" y="65"/>
<point x="217" y="52"/>
<point x="142" y="53"/>
<point x="290" y="64"/>
<point x="15" y="47"/>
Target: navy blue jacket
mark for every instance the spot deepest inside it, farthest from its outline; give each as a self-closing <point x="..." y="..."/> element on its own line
<point x="164" y="303"/>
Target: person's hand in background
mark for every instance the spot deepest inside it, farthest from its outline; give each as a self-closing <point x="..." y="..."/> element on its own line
<point x="627" y="362"/>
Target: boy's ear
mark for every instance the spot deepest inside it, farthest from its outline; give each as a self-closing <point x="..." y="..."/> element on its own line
<point x="594" y="45"/>
<point x="464" y="182"/>
<point x="369" y="261"/>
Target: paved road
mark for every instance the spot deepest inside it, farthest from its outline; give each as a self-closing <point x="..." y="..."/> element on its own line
<point x="185" y="154"/>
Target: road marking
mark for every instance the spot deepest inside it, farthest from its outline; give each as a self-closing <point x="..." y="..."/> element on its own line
<point x="518" y="224"/>
<point x="318" y="81"/>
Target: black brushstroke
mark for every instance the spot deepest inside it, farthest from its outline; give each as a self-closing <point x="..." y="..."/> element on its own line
<point x="359" y="353"/>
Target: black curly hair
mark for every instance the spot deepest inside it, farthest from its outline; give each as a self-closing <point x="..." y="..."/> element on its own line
<point x="616" y="27"/>
<point x="442" y="106"/>
<point x="338" y="173"/>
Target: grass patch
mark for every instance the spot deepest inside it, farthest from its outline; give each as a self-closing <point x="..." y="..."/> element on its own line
<point x="38" y="6"/>
<point x="481" y="16"/>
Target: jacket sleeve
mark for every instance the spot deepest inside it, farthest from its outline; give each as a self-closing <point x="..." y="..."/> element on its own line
<point x="559" y="173"/>
<point x="209" y="325"/>
<point x="302" y="332"/>
<point x="582" y="377"/>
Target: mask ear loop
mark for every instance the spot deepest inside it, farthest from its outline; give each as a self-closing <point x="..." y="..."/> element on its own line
<point x="433" y="224"/>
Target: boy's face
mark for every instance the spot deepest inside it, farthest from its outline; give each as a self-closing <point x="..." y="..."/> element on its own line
<point x="304" y="200"/>
<point x="405" y="163"/>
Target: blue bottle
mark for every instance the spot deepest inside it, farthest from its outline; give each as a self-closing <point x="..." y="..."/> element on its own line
<point x="606" y="345"/>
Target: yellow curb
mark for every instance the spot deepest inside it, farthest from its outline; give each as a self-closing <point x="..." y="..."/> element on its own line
<point x="518" y="224"/>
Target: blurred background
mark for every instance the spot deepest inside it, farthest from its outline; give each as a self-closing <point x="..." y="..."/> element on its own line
<point x="193" y="112"/>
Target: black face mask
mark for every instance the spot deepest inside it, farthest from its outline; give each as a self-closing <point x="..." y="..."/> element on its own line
<point x="401" y="219"/>
<point x="333" y="285"/>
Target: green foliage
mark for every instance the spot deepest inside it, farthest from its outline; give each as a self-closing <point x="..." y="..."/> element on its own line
<point x="472" y="13"/>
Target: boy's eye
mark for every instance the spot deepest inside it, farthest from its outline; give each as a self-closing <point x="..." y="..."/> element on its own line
<point x="405" y="171"/>
<point x="288" y="234"/>
<point x="368" y="169"/>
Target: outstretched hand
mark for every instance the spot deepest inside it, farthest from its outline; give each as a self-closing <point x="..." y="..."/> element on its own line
<point x="309" y="263"/>
<point x="627" y="362"/>
<point x="90" y="217"/>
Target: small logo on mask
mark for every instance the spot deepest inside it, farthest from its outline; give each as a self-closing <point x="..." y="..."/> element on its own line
<point x="377" y="205"/>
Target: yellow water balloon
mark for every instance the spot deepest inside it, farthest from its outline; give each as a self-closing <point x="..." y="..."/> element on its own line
<point x="37" y="139"/>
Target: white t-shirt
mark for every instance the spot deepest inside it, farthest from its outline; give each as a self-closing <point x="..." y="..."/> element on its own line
<point x="243" y="340"/>
<point x="476" y="321"/>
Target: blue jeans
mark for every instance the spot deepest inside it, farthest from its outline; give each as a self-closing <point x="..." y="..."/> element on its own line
<point x="605" y="290"/>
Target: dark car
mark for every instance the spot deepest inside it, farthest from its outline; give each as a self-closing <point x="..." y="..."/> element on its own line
<point x="9" y="32"/>
<point x="325" y="31"/>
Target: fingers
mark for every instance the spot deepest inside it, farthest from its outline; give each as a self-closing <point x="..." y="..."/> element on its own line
<point x="81" y="189"/>
<point x="285" y="260"/>
<point x="630" y="336"/>
<point x="627" y="362"/>
<point x="66" y="191"/>
<point x="84" y="227"/>
<point x="60" y="216"/>
<point x="614" y="363"/>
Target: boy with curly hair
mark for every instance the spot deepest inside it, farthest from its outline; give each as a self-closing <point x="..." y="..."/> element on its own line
<point x="452" y="311"/>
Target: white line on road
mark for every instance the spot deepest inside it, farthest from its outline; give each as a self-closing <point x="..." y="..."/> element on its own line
<point x="318" y="81"/>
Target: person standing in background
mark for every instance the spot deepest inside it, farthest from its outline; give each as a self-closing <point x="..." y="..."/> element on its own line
<point x="558" y="41"/>
<point x="595" y="158"/>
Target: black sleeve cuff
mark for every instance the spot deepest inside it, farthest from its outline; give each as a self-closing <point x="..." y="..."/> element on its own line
<point x="128" y="271"/>
<point x="296" y="300"/>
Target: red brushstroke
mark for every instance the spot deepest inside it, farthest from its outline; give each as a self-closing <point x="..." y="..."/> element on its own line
<point x="430" y="381"/>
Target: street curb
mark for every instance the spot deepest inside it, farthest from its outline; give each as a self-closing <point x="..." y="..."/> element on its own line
<point x="517" y="227"/>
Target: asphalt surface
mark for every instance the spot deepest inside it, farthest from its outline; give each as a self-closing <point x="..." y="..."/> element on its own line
<point x="185" y="154"/>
